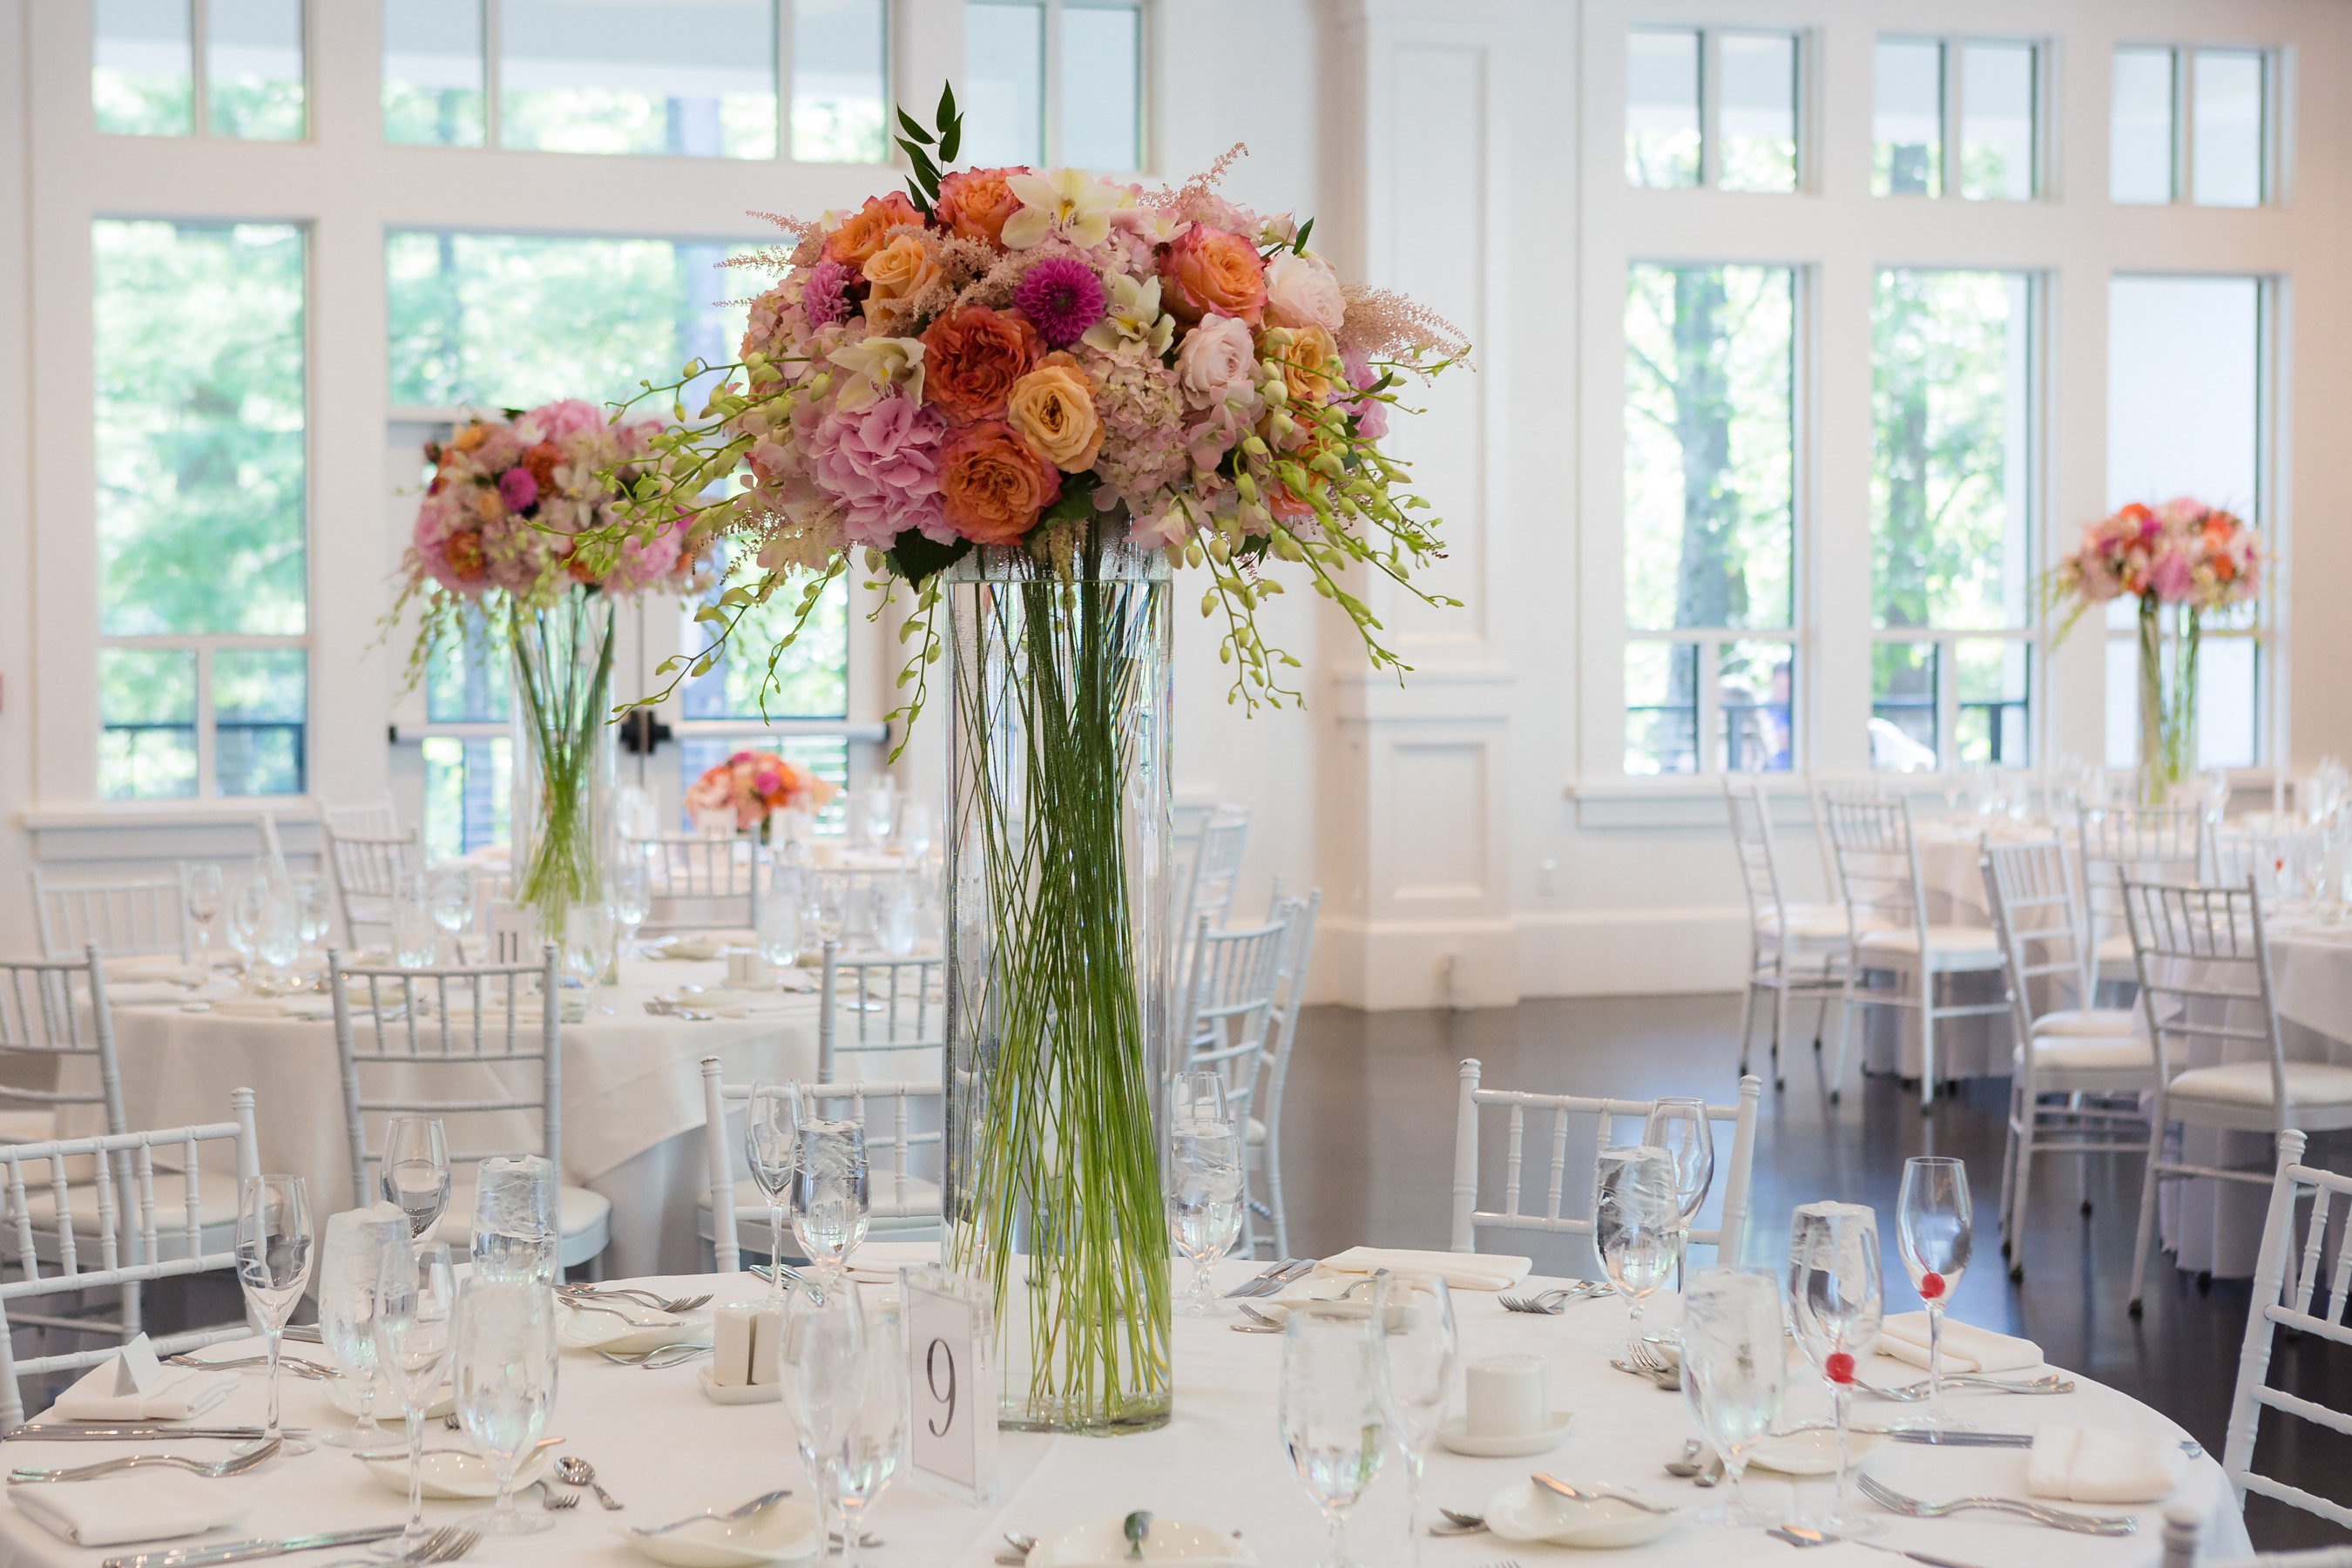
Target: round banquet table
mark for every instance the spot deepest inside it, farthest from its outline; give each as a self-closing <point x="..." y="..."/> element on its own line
<point x="632" y="1094"/>
<point x="665" y="1451"/>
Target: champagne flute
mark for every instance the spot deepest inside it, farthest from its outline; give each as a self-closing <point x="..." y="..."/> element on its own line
<point x="504" y="1359"/>
<point x="1425" y="1354"/>
<point x="868" y="1455"/>
<point x="273" y="1265"/>
<point x="825" y="1370"/>
<point x="204" y="904"/>
<point x="1735" y="1373"/>
<point x="416" y="1175"/>
<point x="830" y="1195"/>
<point x="415" y="1299"/>
<point x="244" y="919"/>
<point x="772" y="1130"/>
<point x="1679" y="1125"/>
<point x="1331" y="1407"/>
<point x="1204" y="1203"/>
<point x="632" y="900"/>
<point x="1933" y="1227"/>
<point x="1636" y="1223"/>
<point x="356" y="1239"/>
<point x="1837" y="1301"/>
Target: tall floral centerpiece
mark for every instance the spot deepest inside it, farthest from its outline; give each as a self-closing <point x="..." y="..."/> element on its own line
<point x="519" y="527"/>
<point x="2180" y="560"/>
<point x="1030" y="397"/>
<point x="755" y="786"/>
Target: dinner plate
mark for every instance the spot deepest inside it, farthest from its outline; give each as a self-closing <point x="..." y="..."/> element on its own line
<point x="582" y="1330"/>
<point x="456" y="1475"/>
<point x="787" y="1532"/>
<point x="1482" y="1446"/>
<point x="346" y="1398"/>
<point x="1102" y="1543"/>
<point x="1525" y="1512"/>
<point x="1812" y="1452"/>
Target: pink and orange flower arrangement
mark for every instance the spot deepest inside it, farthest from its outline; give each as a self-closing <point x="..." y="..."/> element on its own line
<point x="1014" y="358"/>
<point x="2180" y="551"/>
<point x="755" y="786"/>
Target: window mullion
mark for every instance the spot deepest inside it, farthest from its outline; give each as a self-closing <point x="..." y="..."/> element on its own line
<point x="1710" y="109"/>
<point x="1049" y="111"/>
<point x="785" y="16"/>
<point x="1707" y="723"/>
<point x="2184" y="133"/>
<point x="1953" y="53"/>
<point x="200" y="94"/>
<point x="493" y="35"/>
<point x="207" y="751"/>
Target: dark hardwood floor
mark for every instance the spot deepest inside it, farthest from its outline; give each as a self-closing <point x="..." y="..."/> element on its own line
<point x="1369" y="1156"/>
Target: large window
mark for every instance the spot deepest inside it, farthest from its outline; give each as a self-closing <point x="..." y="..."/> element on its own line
<point x="1709" y="519"/>
<point x="1054" y="82"/>
<point x="1951" y="552"/>
<point x="147" y="77"/>
<point x="2189" y="125"/>
<point x="202" y="469"/>
<point x="1740" y="137"/>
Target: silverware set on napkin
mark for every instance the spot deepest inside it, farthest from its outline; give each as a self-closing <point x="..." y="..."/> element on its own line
<point x="1550" y="1303"/>
<point x="1274" y="1277"/>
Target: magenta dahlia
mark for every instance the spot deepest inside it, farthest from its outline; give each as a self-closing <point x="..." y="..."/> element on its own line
<point x="1062" y="298"/>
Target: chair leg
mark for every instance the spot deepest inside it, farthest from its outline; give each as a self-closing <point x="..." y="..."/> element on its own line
<point x="1846" y="1031"/>
<point x="1747" y="1010"/>
<point x="1780" y="1023"/>
<point x="2009" y="1163"/>
<point x="596" y="1268"/>
<point x="2148" y="1202"/>
<point x="2018" y="1192"/>
<point x="1273" y="1159"/>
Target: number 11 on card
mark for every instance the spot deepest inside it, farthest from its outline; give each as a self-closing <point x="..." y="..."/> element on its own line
<point x="951" y="1383"/>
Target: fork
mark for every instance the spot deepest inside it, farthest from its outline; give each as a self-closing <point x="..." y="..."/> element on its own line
<point x="649" y="1299"/>
<point x="294" y="1365"/>
<point x="235" y="1466"/>
<point x="2056" y="1518"/>
<point x="2051" y="1383"/>
<point x="554" y="1501"/>
<point x="579" y="1306"/>
<point x="1549" y="1302"/>
<point x="1647" y="1363"/>
<point x="655" y="1359"/>
<point x="442" y="1546"/>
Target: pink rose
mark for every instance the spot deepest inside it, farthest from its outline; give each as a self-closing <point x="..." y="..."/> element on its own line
<point x="1303" y="291"/>
<point x="881" y="462"/>
<point x="1214" y="357"/>
<point x="568" y="416"/>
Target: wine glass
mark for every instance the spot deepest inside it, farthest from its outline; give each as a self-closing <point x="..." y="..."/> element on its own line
<point x="772" y="1128"/>
<point x="415" y="1174"/>
<point x="450" y="895"/>
<point x="915" y="830"/>
<point x="1199" y="1096"/>
<point x="273" y="1265"/>
<point x="503" y="1366"/>
<point x="1331" y="1408"/>
<point x="881" y="810"/>
<point x="415" y="1298"/>
<point x="416" y="939"/>
<point x="1933" y="1227"/>
<point x="1679" y="1125"/>
<point x="1735" y="1373"/>
<point x="1204" y="1203"/>
<point x="1637" y="1222"/>
<point x="632" y="900"/>
<point x="830" y="1192"/>
<point x="826" y="914"/>
<point x="825" y="1372"/>
<point x="354" y="1258"/>
<point x="868" y="1455"/>
<point x="779" y="933"/>
<point x="244" y="919"/>
<point x="1837" y="1301"/>
<point x="205" y="903"/>
<point x="898" y="918"/>
<point x="276" y="933"/>
<point x="1425" y="1353"/>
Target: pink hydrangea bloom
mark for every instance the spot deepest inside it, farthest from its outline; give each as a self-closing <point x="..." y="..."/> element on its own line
<point x="566" y="418"/>
<point x="2171" y="576"/>
<point x="881" y="463"/>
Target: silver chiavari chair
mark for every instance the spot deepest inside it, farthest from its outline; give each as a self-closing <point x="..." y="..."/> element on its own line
<point x="2150" y="843"/>
<point x="122" y="919"/>
<point x="699" y="880"/>
<point x="1796" y="952"/>
<point x="891" y="1004"/>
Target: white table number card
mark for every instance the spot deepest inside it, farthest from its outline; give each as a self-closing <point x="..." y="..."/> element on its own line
<point x="950" y="1383"/>
<point x="513" y="939"/>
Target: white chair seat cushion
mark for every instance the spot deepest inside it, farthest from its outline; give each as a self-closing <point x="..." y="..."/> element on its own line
<point x="2103" y="1021"/>
<point x="1970" y="947"/>
<point x="578" y="1212"/>
<point x="2088" y="1053"/>
<point x="1806" y="923"/>
<point x="922" y="1200"/>
<point x="217" y="1194"/>
<point x="2248" y="1083"/>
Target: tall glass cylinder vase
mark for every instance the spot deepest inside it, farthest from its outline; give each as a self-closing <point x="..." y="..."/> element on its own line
<point x="1060" y="1013"/>
<point x="2167" y="700"/>
<point x="564" y="755"/>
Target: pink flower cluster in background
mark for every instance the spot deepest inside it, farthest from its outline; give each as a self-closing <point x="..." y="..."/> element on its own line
<point x="754" y="783"/>
<point x="2182" y="552"/>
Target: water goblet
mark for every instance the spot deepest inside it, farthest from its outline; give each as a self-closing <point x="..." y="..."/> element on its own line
<point x="450" y="894"/>
<point x="1331" y="1406"/>
<point x="276" y="933"/>
<point x="771" y="1127"/>
<point x="503" y="1367"/>
<point x="273" y="1264"/>
<point x="206" y="901"/>
<point x="1933" y="1227"/>
<point x="1735" y="1371"/>
<point x="825" y="1365"/>
<point x="415" y="1300"/>
<point x="415" y="1174"/>
<point x="825" y="916"/>
<point x="898" y="917"/>
<point x="1199" y="1096"/>
<point x="779" y="931"/>
<point x="351" y="1260"/>
<point x="1204" y="1203"/>
<point x="830" y="1192"/>
<point x="1423" y="1359"/>
<point x="516" y="1226"/>
<point x="1836" y="1300"/>
<point x="416" y="939"/>
<point x="881" y="810"/>
<point x="1637" y="1222"/>
<point x="867" y="1456"/>
<point x="1679" y="1125"/>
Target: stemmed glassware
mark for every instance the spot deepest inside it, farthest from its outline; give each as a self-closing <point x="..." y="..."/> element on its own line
<point x="1424" y="1355"/>
<point x="503" y="1366"/>
<point x="632" y="900"/>
<point x="415" y="938"/>
<point x="825" y="1367"/>
<point x="1735" y="1373"/>
<point x="244" y="919"/>
<point x="1199" y="1096"/>
<point x="205" y="902"/>
<point x="868" y="1455"/>
<point x="415" y="1300"/>
<point x="1331" y="1408"/>
<point x="1204" y="1203"/>
<point x="273" y="1265"/>
<point x="450" y="895"/>
<point x="1679" y="1125"/>
<point x="1837" y="1301"/>
<point x="1933" y="1227"/>
<point x="825" y="915"/>
<point x="1637" y="1224"/>
<point x="276" y="933"/>
<point x="313" y="916"/>
<point x="588" y="949"/>
<point x="771" y="1135"/>
<point x="356" y="1239"/>
<point x="915" y="831"/>
<point x="831" y="1196"/>
<point x="899" y="913"/>
<point x="416" y="1176"/>
<point x="779" y="931"/>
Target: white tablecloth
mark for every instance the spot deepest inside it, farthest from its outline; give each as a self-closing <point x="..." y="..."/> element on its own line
<point x="666" y="1451"/>
<point x="631" y="1097"/>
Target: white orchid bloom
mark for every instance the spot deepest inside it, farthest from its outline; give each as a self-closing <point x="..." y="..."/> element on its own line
<point x="1070" y="200"/>
<point x="876" y="365"/>
<point x="1132" y="316"/>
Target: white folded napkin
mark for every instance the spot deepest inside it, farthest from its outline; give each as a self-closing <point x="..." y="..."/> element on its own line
<point x="182" y="1394"/>
<point x="151" y="1505"/>
<point x="701" y="946"/>
<point x="1967" y="1348"/>
<point x="143" y="993"/>
<point x="2101" y="1464"/>
<point x="1461" y="1270"/>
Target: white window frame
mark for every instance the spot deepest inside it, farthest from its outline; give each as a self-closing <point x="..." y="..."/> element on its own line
<point x="1710" y="104"/>
<point x="2275" y="142"/>
<point x="1050" y="75"/>
<point x="1953" y="110"/>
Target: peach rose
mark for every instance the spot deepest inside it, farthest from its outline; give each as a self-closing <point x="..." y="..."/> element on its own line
<point x="972" y="357"/>
<point x="993" y="485"/>
<point x="1303" y="291"/>
<point x="863" y="232"/>
<point x="1303" y="359"/>
<point x="974" y="203"/>
<point x="1053" y="407"/>
<point x="1211" y="272"/>
<point x="898" y="271"/>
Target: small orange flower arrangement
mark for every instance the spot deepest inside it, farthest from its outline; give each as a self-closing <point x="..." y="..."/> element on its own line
<point x="755" y="786"/>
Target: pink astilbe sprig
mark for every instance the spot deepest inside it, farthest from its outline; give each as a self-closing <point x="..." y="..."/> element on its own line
<point x="1383" y="324"/>
<point x="798" y="227"/>
<point x="1202" y="184"/>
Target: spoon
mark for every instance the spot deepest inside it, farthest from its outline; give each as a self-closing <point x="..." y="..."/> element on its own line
<point x="1713" y="1474"/>
<point x="1458" y="1523"/>
<point x="758" y="1505"/>
<point x="578" y="1472"/>
<point x="1688" y="1465"/>
<point x="1552" y="1484"/>
<point x="1136" y="1527"/>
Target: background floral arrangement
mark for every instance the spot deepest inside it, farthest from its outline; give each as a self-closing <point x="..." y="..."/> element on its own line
<point x="1004" y="357"/>
<point x="754" y="784"/>
<point x="2182" y="552"/>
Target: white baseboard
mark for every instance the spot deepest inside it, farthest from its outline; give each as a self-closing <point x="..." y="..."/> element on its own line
<point x="1384" y="965"/>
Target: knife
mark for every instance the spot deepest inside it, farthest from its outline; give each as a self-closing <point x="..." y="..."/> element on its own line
<point x="244" y="1551"/>
<point x="140" y="1430"/>
<point x="1962" y="1439"/>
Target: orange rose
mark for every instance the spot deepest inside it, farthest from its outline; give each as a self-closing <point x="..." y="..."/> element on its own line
<point x="1309" y="350"/>
<point x="898" y="271"/>
<point x="463" y="550"/>
<point x="972" y="357"/>
<point x="1053" y="407"/>
<point x="991" y="485"/>
<point x="863" y="232"/>
<point x="1209" y="272"/>
<point x="471" y="436"/>
<point x="974" y="203"/>
<point x="541" y="460"/>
